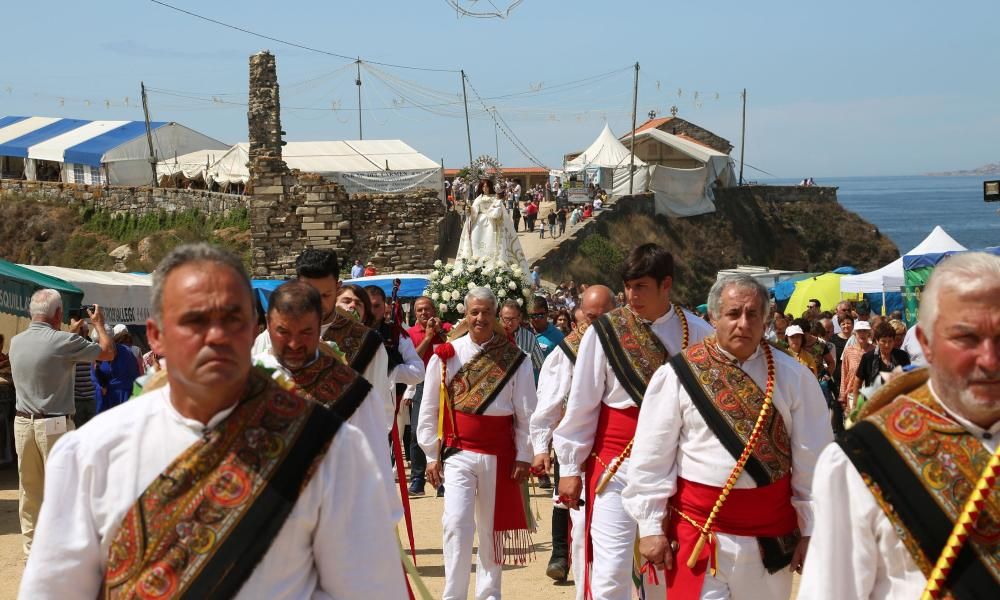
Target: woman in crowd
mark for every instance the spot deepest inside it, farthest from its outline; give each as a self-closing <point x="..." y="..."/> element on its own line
<point x="354" y="299"/>
<point x="884" y="357"/>
<point x="796" y="347"/>
<point x="849" y="363"/>
<point x="900" y="329"/>
<point x="515" y="214"/>
<point x="563" y="321"/>
<point x="113" y="379"/>
<point x="839" y="342"/>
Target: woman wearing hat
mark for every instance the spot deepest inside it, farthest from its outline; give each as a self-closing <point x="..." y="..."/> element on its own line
<point x="796" y="347"/>
<point x="849" y="384"/>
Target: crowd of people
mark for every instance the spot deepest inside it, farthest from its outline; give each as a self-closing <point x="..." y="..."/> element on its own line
<point x="265" y="460"/>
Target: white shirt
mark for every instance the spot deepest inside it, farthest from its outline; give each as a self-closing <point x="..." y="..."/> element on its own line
<point x="672" y="440"/>
<point x="337" y="542"/>
<point x="409" y="372"/>
<point x="554" y="382"/>
<point x="516" y="398"/>
<point x="911" y="345"/>
<point x="594" y="382"/>
<point x="369" y="418"/>
<point x="856" y="552"/>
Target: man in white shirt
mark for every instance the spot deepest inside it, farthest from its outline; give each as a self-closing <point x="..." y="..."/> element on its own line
<point x="218" y="484"/>
<point x="618" y="355"/>
<point x="889" y="493"/>
<point x="554" y="384"/>
<point x="701" y="412"/>
<point x="483" y="443"/>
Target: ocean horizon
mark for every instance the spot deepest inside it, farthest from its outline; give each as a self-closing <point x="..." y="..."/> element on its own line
<point x="907" y="207"/>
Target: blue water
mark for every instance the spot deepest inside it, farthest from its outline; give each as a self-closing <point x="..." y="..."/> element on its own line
<point x="907" y="208"/>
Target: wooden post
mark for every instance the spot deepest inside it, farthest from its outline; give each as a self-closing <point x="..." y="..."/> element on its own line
<point x="743" y="133"/>
<point x="149" y="134"/>
<point x="635" y="99"/>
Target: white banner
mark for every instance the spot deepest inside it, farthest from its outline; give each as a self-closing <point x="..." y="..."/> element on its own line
<point x="390" y="181"/>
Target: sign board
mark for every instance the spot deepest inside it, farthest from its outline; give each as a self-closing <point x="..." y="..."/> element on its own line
<point x="991" y="191"/>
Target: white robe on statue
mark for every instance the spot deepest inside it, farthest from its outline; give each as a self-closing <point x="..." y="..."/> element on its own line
<point x="470" y="477"/>
<point x="672" y="440"/>
<point x="489" y="232"/>
<point x="337" y="542"/>
<point x="594" y="383"/>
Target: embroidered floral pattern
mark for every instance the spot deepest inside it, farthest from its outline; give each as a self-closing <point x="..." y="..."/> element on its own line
<point x="172" y="530"/>
<point x="326" y="379"/>
<point x="738" y="400"/>
<point x="476" y="381"/>
<point x="948" y="461"/>
<point x="348" y="334"/>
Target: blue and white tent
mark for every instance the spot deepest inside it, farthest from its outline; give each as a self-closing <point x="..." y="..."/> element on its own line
<point x="91" y="152"/>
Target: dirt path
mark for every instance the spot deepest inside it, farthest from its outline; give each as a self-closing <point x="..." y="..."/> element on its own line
<point x="11" y="555"/>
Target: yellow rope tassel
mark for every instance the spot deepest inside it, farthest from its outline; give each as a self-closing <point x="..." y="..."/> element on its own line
<point x="765" y="410"/>
<point x="963" y="528"/>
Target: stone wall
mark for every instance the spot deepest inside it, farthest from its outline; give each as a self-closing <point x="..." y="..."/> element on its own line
<point x="123" y="200"/>
<point x="292" y="211"/>
<point x="776" y="193"/>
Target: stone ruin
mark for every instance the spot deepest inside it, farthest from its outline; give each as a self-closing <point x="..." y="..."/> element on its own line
<point x="291" y="211"/>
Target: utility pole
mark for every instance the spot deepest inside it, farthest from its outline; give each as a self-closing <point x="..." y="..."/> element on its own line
<point x="149" y="133"/>
<point x="743" y="133"/>
<point x="635" y="100"/>
<point x="468" y="132"/>
<point x="357" y="82"/>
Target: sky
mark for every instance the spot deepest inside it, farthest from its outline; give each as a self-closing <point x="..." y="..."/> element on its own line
<point x="838" y="89"/>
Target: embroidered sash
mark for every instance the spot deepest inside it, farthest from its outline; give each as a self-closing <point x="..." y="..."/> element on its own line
<point x="921" y="467"/>
<point x="358" y="342"/>
<point x="729" y="401"/>
<point x="633" y="350"/>
<point x="333" y="384"/>
<point x="475" y="386"/>
<point x="570" y="344"/>
<point x="201" y="527"/>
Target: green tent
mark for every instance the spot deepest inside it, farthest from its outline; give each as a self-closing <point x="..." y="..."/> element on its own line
<point x="17" y="284"/>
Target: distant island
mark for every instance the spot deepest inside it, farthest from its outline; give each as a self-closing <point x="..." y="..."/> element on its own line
<point x="989" y="169"/>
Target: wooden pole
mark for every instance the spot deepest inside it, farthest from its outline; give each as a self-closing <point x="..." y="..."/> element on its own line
<point x="635" y="100"/>
<point x="357" y="82"/>
<point x="743" y="133"/>
<point x="149" y="133"/>
<point x="468" y="132"/>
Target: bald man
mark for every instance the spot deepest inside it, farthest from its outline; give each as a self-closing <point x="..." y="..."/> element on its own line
<point x="554" y="382"/>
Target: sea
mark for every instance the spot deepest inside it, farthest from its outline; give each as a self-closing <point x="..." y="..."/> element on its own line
<point x="906" y="208"/>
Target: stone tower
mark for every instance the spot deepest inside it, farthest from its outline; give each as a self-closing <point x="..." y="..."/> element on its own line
<point x="264" y="116"/>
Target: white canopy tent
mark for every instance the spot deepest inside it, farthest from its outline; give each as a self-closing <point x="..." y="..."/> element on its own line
<point x="123" y="297"/>
<point x="683" y="191"/>
<point x="890" y="277"/>
<point x="193" y="165"/>
<point x="358" y="166"/>
<point x="607" y="152"/>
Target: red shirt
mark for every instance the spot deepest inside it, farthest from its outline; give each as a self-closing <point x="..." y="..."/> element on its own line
<point x="417" y="335"/>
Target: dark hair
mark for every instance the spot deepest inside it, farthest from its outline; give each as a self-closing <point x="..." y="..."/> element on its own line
<point x="884" y="330"/>
<point x="295" y="299"/>
<point x="317" y="264"/>
<point x="863" y="308"/>
<point x="648" y="260"/>
<point x="805" y="324"/>
<point x="360" y="292"/>
<point x="540" y="304"/>
<point x="374" y="289"/>
<point x="509" y="303"/>
<point x="482" y="184"/>
<point x="818" y="303"/>
<point x="847" y="317"/>
<point x="818" y="329"/>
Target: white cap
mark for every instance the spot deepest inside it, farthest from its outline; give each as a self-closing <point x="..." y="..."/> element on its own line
<point x="862" y="326"/>
<point x="119" y="328"/>
<point x="793" y="330"/>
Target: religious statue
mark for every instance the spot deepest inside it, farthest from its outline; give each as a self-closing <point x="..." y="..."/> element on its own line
<point x="489" y="231"/>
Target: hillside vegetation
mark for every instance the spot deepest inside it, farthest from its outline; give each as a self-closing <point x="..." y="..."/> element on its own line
<point x="39" y="233"/>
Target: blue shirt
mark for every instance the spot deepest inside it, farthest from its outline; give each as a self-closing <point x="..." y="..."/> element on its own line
<point x="549" y="339"/>
<point x="357" y="271"/>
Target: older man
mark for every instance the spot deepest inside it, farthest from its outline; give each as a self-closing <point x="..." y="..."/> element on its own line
<point x="483" y="442"/>
<point x="220" y="483"/>
<point x="554" y="384"/>
<point x="512" y="320"/>
<point x="889" y="492"/>
<point x="43" y="369"/>
<point x="618" y="355"/>
<point x="428" y="333"/>
<point x="737" y="521"/>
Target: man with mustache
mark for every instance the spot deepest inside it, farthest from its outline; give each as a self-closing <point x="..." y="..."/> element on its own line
<point x="889" y="493"/>
<point x="722" y="465"/>
<point x="477" y="426"/>
<point x="554" y="383"/>
<point x="221" y="483"/>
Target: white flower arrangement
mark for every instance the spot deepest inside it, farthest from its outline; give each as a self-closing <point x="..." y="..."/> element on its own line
<point x="437" y="264"/>
<point x="520" y="302"/>
<point x="448" y="283"/>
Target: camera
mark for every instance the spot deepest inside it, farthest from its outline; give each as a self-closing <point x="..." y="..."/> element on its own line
<point x="81" y="313"/>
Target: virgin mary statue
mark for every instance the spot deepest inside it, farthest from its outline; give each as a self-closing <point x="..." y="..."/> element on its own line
<point x="489" y="231"/>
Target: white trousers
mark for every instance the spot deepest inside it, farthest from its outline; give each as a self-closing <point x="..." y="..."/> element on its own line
<point x="578" y="550"/>
<point x="740" y="574"/>
<point x="470" y="484"/>
<point x="613" y="535"/>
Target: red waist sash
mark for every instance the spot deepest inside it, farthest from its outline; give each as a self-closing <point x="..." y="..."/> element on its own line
<point x="760" y="512"/>
<point x="494" y="435"/>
